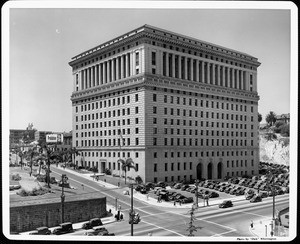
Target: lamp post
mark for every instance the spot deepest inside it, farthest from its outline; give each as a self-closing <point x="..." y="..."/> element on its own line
<point x="131" y="208"/>
<point x="196" y="192"/>
<point x="64" y="179"/>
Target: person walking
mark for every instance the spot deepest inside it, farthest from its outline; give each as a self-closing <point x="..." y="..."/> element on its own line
<point x="251" y="224"/>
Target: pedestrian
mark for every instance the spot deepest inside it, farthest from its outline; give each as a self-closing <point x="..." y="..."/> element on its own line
<point x="119" y="207"/>
<point x="118" y="184"/>
<point x="175" y="203"/>
<point x="82" y="186"/>
<point x="97" y="178"/>
<point x="251" y="224"/>
<point x="121" y="217"/>
<point x="104" y="180"/>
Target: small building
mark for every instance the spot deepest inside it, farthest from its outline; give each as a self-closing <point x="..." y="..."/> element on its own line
<point x="284" y="118"/>
<point x="283" y="217"/>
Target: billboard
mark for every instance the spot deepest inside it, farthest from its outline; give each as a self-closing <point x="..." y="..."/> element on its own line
<point x="54" y="138"/>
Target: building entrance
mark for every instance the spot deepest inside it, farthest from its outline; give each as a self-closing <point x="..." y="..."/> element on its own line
<point x="199" y="171"/>
<point x="220" y="170"/>
<point x="209" y="171"/>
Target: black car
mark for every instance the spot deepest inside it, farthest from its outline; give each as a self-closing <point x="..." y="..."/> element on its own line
<point x="187" y="200"/>
<point x="41" y="231"/>
<point x="213" y="194"/>
<point x="184" y="187"/>
<point x="63" y="228"/>
<point x="92" y="223"/>
<point x="226" y="204"/>
<point x="256" y="199"/>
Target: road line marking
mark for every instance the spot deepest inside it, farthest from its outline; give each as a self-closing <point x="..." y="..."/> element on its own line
<point x="216" y="235"/>
<point x="135" y="232"/>
<point x="163" y="228"/>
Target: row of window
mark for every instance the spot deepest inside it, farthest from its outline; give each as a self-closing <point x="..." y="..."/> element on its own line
<point x="171" y="154"/>
<point x="179" y="177"/>
<point x="185" y="101"/>
<point x="189" y="166"/>
<point x="166" y="131"/>
<point x="167" y="142"/>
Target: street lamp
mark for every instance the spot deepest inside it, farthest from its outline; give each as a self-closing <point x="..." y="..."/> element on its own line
<point x="64" y="179"/>
<point x="196" y="192"/>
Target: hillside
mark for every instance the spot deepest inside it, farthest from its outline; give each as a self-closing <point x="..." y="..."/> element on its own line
<point x="275" y="150"/>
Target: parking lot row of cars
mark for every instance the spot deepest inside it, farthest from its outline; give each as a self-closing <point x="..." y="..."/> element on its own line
<point x="93" y="227"/>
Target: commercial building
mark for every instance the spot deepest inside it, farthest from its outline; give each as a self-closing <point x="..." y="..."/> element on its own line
<point x="180" y="107"/>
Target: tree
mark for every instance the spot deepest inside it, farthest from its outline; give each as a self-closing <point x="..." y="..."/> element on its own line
<point x="127" y="164"/>
<point x="73" y="152"/>
<point x="21" y="155"/>
<point x="51" y="155"/>
<point x="259" y="117"/>
<point x="271" y="118"/>
<point x="31" y="154"/>
<point x="191" y="227"/>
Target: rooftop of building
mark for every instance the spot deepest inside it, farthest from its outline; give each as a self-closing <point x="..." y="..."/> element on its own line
<point x="166" y="34"/>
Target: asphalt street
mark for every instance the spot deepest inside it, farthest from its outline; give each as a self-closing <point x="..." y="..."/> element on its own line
<point x="162" y="221"/>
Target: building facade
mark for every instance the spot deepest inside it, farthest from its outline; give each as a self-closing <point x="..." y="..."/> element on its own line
<point x="181" y="108"/>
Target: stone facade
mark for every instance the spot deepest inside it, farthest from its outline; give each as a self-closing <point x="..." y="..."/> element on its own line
<point x="179" y="107"/>
<point x="29" y="217"/>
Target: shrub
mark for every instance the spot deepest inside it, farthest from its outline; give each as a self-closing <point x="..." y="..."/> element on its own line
<point x="16" y="177"/>
<point x="285" y="130"/>
<point x="138" y="179"/>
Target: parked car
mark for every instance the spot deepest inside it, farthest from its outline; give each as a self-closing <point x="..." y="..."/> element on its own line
<point x="263" y="194"/>
<point x="256" y="198"/>
<point x="213" y="194"/>
<point x="184" y="187"/>
<point x="187" y="200"/>
<point x="63" y="228"/>
<point x="226" y="204"/>
<point x="41" y="231"/>
<point x="173" y="196"/>
<point x="178" y="185"/>
<point x="95" y="231"/>
<point x="178" y="198"/>
<point x="222" y="188"/>
<point x="150" y="185"/>
<point x="92" y="223"/>
<point x="143" y="190"/>
<point x="161" y="184"/>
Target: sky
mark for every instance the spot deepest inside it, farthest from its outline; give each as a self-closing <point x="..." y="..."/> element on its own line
<point x="43" y="40"/>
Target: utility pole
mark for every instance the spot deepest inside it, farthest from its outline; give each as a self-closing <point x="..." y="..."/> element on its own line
<point x="131" y="209"/>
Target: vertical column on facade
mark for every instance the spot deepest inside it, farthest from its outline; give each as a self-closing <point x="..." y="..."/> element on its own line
<point x="213" y="81"/>
<point x="88" y="77"/>
<point x="107" y="71"/>
<point x="92" y="76"/>
<point x="179" y="67"/>
<point x="126" y="65"/>
<point x="234" y="78"/>
<point x="122" y="66"/>
<point x="238" y="79"/>
<point x="173" y="65"/>
<point x="97" y="74"/>
<point x="117" y="68"/>
<point x="197" y="70"/>
<point x="113" y="77"/>
<point x="167" y="64"/>
<point x="202" y="71"/>
<point x="218" y="75"/>
<point x="208" y="72"/>
<point x="185" y="68"/>
<point x="132" y="66"/>
<point x="82" y="79"/>
<point x="192" y="68"/>
<point x="228" y="77"/>
<point x="159" y="62"/>
<point x="104" y="73"/>
<point x="141" y="58"/>
<point x="101" y="73"/>
<point x="242" y="80"/>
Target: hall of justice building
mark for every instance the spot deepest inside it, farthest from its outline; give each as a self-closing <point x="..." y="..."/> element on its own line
<point x="180" y="107"/>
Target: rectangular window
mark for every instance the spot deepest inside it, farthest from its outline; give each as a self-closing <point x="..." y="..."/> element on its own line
<point x="153" y="58"/>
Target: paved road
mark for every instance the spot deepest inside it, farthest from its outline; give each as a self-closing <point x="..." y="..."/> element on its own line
<point x="211" y="221"/>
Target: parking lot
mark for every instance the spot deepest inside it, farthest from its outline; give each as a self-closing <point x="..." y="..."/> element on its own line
<point x="273" y="180"/>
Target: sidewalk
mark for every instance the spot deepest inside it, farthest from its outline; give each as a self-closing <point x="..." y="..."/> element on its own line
<point x="263" y="228"/>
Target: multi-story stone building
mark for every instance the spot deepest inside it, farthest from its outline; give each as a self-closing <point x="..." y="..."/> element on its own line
<point x="181" y="108"/>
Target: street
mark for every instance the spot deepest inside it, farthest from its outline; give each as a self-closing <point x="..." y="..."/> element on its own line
<point x="210" y="221"/>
